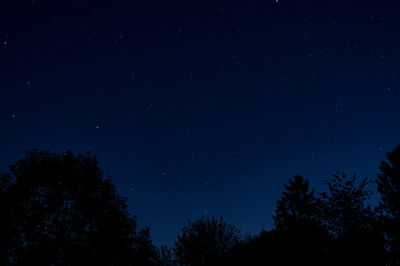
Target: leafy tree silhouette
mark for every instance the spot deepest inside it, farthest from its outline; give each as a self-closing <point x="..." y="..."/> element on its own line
<point x="255" y="250"/>
<point x="205" y="241"/>
<point x="337" y="229"/>
<point x="344" y="204"/>
<point x="58" y="209"/>
<point x="388" y="184"/>
<point x="166" y="256"/>
<point x="351" y="222"/>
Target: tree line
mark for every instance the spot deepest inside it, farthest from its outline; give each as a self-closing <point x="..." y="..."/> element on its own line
<point x="59" y="209"/>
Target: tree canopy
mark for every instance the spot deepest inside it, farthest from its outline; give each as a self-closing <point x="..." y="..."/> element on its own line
<point x="389" y="188"/>
<point x="59" y="209"/>
<point x="351" y="221"/>
<point x="204" y="241"/>
<point x="344" y="206"/>
<point x="297" y="204"/>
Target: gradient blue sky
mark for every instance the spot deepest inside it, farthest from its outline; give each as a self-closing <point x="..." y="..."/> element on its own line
<point x="203" y="107"/>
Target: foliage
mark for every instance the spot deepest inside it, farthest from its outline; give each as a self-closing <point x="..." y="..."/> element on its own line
<point x="58" y="209"/>
<point x="388" y="184"/>
<point x="204" y="241"/>
<point x="297" y="205"/>
<point x="344" y="206"/>
<point x="298" y="237"/>
<point x="166" y="256"/>
<point x="357" y="238"/>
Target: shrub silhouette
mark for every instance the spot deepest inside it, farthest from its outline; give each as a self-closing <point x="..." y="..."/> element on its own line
<point x="58" y="209"/>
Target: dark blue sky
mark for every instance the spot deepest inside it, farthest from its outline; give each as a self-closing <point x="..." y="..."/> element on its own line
<point x="203" y="107"/>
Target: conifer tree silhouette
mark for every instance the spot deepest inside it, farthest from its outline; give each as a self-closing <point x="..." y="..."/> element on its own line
<point x="298" y="204"/>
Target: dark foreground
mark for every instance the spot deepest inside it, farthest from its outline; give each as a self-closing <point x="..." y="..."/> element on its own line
<point x="59" y="209"/>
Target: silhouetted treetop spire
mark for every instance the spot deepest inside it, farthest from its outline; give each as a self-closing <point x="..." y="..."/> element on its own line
<point x="297" y="203"/>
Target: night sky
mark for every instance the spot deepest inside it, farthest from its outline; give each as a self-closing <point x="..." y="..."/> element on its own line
<point x="203" y="107"/>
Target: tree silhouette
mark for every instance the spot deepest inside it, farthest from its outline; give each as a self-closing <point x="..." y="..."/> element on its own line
<point x="344" y="204"/>
<point x="297" y="204"/>
<point x="299" y="238"/>
<point x="256" y="250"/>
<point x="388" y="184"/>
<point x="166" y="256"/>
<point x="351" y="222"/>
<point x="205" y="241"/>
<point x="58" y="209"/>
